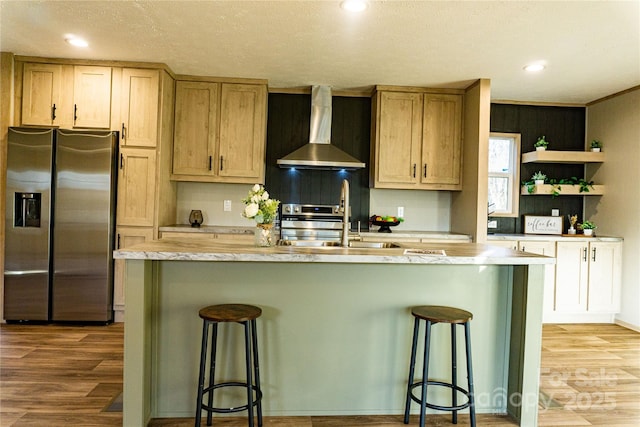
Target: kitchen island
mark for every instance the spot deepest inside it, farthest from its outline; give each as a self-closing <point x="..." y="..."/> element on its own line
<point x="335" y="333"/>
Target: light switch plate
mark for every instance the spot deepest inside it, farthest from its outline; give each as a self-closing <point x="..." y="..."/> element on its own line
<point x="401" y="211"/>
<point x="227" y="205"/>
<point x="555" y="212"/>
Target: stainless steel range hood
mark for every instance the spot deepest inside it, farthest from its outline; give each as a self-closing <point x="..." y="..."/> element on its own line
<point x="319" y="153"/>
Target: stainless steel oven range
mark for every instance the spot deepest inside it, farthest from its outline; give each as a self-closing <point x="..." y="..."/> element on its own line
<point x="311" y="222"/>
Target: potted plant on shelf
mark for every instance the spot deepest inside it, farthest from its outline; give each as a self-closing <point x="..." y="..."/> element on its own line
<point x="596" y="145"/>
<point x="541" y="144"/>
<point x="539" y="178"/>
<point x="587" y="228"/>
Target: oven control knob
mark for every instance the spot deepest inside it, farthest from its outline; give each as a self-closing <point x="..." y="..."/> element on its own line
<point x="296" y="209"/>
<point x="287" y="209"/>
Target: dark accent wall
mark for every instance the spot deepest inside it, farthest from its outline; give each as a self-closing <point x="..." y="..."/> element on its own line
<point x="288" y="129"/>
<point x="564" y="128"/>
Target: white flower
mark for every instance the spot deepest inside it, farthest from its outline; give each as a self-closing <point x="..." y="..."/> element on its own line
<point x="255" y="188"/>
<point x="255" y="198"/>
<point x="251" y="210"/>
<point x="265" y="195"/>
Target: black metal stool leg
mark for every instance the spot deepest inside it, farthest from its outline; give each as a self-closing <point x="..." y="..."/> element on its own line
<point x="472" y="405"/>
<point x="454" y="374"/>
<point x="212" y="369"/>
<point x="256" y="370"/>
<point x="425" y="374"/>
<point x="248" y="367"/>
<point x="412" y="366"/>
<point x="203" y="361"/>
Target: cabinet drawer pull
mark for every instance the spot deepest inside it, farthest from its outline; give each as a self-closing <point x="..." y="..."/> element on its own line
<point x="75" y="113"/>
<point x="414" y="170"/>
<point x="425" y="171"/>
<point x="593" y="255"/>
<point x="53" y="112"/>
<point x="584" y="254"/>
<point x="210" y="161"/>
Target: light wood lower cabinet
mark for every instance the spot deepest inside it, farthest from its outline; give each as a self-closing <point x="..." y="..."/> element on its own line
<point x="136" y="186"/>
<point x="125" y="237"/>
<point x="217" y="237"/>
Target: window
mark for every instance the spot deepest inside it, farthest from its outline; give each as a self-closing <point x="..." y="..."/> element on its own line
<point x="504" y="173"/>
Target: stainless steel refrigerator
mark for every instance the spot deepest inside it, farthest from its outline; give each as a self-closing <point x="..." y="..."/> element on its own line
<point x="60" y="225"/>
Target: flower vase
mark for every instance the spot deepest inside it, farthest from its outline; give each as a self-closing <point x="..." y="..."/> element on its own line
<point x="264" y="235"/>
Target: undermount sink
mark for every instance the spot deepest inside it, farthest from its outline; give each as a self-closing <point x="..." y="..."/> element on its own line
<point x="328" y="243"/>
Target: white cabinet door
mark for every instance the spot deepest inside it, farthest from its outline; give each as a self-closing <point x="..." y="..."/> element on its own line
<point x="571" y="277"/>
<point x="605" y="268"/>
<point x="546" y="248"/>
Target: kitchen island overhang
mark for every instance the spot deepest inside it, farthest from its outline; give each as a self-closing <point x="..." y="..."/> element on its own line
<point x="335" y="333"/>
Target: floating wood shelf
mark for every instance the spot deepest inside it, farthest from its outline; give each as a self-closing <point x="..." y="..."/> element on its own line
<point x="550" y="156"/>
<point x="565" y="190"/>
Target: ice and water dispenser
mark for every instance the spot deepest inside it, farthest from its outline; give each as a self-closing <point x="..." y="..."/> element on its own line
<point x="27" y="209"/>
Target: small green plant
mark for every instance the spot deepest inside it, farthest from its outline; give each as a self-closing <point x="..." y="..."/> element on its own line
<point x="588" y="225"/>
<point x="539" y="176"/>
<point x="596" y="144"/>
<point x="541" y="142"/>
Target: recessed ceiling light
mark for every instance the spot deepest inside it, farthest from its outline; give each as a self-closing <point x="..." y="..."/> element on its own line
<point x="534" y="68"/>
<point x="76" y="41"/>
<point x="354" y="5"/>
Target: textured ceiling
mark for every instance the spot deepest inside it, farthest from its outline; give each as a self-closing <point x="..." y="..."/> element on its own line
<point x="592" y="49"/>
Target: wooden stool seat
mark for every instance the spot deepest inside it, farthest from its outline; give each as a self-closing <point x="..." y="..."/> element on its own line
<point x="441" y="314"/>
<point x="230" y="313"/>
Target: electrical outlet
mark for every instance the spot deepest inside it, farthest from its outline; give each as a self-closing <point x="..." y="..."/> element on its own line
<point x="492" y="224"/>
<point x="555" y="212"/>
<point x="227" y="205"/>
<point x="401" y="211"/>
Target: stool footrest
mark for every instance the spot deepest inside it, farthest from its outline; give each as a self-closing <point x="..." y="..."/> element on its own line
<point x="439" y="407"/>
<point x="244" y="407"/>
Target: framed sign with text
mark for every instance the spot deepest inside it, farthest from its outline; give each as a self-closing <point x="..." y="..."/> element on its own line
<point x="542" y="224"/>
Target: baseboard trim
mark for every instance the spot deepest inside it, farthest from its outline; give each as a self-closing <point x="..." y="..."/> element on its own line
<point x="627" y="325"/>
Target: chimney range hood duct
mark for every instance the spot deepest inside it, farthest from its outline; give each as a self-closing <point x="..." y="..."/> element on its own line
<point x="319" y="153"/>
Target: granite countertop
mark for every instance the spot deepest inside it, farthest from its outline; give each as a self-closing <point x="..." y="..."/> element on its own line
<point x="553" y="237"/>
<point x="456" y="253"/>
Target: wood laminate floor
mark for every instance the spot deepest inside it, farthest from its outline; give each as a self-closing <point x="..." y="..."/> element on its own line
<point x="53" y="375"/>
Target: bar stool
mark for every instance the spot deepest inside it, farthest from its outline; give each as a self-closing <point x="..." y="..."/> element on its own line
<point x="433" y="314"/>
<point x="246" y="315"/>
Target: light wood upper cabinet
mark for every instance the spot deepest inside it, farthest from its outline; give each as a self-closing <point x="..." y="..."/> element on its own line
<point x="441" y="139"/>
<point x="139" y="107"/>
<point x="66" y="96"/>
<point x="196" y="128"/>
<point x="41" y="88"/>
<point x="417" y="140"/>
<point x="91" y="97"/>
<point x="136" y="186"/>
<point x="242" y="131"/>
<point x="398" y="137"/>
<point x="220" y="132"/>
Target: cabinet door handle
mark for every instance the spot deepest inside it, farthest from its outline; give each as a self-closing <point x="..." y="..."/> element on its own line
<point x="593" y="254"/>
<point x="414" y="170"/>
<point x="221" y="162"/>
<point x="524" y="249"/>
<point x="424" y="174"/>
<point x="75" y="113"/>
<point x="584" y="254"/>
<point x="121" y="161"/>
<point x="118" y="243"/>
<point x="123" y="134"/>
<point x="53" y="112"/>
<point x="210" y="162"/>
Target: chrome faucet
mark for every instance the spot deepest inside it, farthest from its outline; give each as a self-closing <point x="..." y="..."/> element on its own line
<point x="344" y="209"/>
